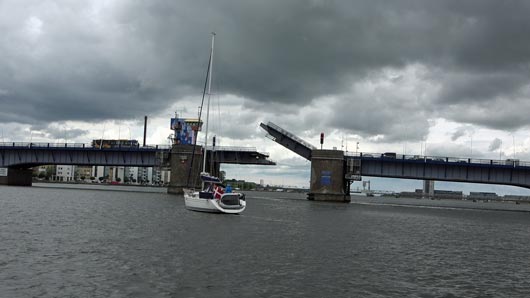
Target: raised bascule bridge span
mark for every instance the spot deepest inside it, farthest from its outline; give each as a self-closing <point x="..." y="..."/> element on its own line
<point x="16" y="158"/>
<point x="333" y="171"/>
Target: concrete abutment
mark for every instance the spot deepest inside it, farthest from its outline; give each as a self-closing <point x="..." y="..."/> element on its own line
<point x="327" y="177"/>
<point x="181" y="162"/>
<point x="15" y="177"/>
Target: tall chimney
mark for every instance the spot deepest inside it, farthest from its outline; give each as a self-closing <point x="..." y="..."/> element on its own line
<point x="145" y="128"/>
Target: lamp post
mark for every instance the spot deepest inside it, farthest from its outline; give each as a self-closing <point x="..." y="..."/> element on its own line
<point x="357" y="148"/>
<point x="500" y="151"/>
<point x="102" y="136"/>
<point x="471" y="144"/>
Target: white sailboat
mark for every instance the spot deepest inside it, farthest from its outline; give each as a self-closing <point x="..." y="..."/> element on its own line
<point x="212" y="197"/>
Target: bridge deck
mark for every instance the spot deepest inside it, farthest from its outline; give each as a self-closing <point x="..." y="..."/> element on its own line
<point x="288" y="140"/>
<point x="507" y="172"/>
<point x="25" y="155"/>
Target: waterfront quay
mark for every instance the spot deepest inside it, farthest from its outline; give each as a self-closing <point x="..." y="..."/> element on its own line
<point x="71" y="242"/>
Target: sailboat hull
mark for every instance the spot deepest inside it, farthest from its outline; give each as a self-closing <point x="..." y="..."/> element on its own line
<point x="194" y="202"/>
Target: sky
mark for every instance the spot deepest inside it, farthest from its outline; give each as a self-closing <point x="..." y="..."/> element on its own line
<point x="441" y="78"/>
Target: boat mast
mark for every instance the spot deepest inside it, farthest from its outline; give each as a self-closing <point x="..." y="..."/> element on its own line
<point x="208" y="107"/>
<point x="200" y="114"/>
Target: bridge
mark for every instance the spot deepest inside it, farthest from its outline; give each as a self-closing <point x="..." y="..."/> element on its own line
<point x="488" y="171"/>
<point x="27" y="155"/>
<point x="16" y="158"/>
<point x="333" y="171"/>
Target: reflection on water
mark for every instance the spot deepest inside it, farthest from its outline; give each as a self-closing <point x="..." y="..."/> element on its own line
<point x="91" y="243"/>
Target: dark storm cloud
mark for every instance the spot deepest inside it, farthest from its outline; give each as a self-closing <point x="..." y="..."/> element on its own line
<point x="75" y="62"/>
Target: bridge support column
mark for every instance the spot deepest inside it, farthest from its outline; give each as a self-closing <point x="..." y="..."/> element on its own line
<point x="428" y="189"/>
<point x="327" y="176"/>
<point x="17" y="177"/>
<point x="181" y="156"/>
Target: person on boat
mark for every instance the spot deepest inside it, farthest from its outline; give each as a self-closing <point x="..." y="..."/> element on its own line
<point x="228" y="188"/>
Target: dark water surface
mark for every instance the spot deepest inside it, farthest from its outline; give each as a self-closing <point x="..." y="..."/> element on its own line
<point x="93" y="243"/>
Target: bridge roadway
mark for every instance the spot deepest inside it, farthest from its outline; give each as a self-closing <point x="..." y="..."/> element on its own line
<point x="505" y="172"/>
<point x="27" y="155"/>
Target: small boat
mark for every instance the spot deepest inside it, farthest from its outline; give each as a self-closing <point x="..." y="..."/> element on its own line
<point x="213" y="198"/>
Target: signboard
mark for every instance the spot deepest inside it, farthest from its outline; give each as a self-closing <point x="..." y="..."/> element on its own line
<point x="3" y="172"/>
<point x="325" y="178"/>
<point x="185" y="130"/>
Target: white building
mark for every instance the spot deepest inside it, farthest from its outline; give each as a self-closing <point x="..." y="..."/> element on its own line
<point x="116" y="173"/>
<point x="99" y="171"/>
<point x="64" y="173"/>
<point x="132" y="175"/>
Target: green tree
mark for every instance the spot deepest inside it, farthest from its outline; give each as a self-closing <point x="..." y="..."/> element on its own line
<point x="49" y="172"/>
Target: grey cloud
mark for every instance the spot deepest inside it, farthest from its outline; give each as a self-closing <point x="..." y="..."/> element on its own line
<point x="462" y="131"/>
<point x="136" y="58"/>
<point x="457" y="134"/>
<point x="495" y="144"/>
<point x="453" y="150"/>
<point x="481" y="87"/>
<point x="497" y="114"/>
<point x="56" y="132"/>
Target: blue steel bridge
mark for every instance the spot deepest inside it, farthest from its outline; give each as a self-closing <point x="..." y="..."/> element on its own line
<point x="489" y="171"/>
<point x="391" y="165"/>
<point x="27" y="155"/>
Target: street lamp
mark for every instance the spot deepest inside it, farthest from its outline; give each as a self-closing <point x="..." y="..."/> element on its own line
<point x="500" y="151"/>
<point x="471" y="144"/>
<point x="357" y="148"/>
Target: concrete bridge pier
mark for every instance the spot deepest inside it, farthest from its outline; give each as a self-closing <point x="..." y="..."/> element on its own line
<point x="16" y="177"/>
<point x="328" y="181"/>
<point x="181" y="156"/>
<point x="428" y="189"/>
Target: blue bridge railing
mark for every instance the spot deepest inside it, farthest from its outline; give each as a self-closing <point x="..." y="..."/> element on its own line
<point x="79" y="146"/>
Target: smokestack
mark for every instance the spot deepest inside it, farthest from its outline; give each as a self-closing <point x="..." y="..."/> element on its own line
<point x="145" y="128"/>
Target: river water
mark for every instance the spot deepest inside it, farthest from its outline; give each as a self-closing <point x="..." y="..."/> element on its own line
<point x="66" y="242"/>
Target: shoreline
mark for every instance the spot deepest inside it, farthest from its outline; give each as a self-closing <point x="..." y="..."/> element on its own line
<point x="442" y="203"/>
<point x="102" y="187"/>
